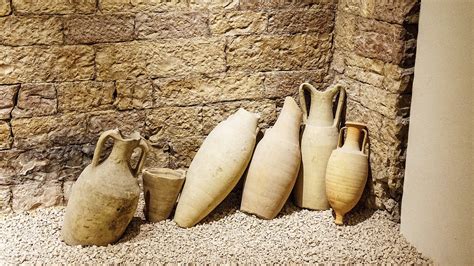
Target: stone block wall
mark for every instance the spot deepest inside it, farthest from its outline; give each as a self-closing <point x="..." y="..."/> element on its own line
<point x="374" y="56"/>
<point x="173" y="69"/>
<point x="170" y="69"/>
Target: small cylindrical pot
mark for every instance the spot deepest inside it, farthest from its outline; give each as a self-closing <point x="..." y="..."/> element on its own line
<point x="161" y="187"/>
<point x="347" y="170"/>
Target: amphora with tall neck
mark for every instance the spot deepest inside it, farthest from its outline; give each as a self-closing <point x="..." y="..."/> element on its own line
<point x="104" y="198"/>
<point x="319" y="139"/>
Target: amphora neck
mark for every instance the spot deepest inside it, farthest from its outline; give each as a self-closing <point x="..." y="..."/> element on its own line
<point x="353" y="138"/>
<point x="321" y="106"/>
<point x="122" y="150"/>
<point x="289" y="121"/>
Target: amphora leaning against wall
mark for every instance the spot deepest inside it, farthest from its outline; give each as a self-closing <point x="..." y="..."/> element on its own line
<point x="347" y="170"/>
<point x="319" y="140"/>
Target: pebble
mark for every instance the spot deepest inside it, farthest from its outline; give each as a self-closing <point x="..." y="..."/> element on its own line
<point x="226" y="236"/>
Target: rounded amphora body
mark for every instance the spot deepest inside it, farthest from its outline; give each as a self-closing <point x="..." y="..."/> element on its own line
<point x="317" y="143"/>
<point x="274" y="167"/>
<point x="104" y="198"/>
<point x="217" y="167"/>
<point x="347" y="171"/>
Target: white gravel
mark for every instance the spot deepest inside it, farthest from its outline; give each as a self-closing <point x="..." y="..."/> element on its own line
<point x="226" y="236"/>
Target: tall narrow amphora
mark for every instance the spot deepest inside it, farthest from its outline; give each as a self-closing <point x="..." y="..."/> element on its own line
<point x="217" y="167"/>
<point x="318" y="141"/>
<point x="104" y="198"/>
<point x="275" y="165"/>
<point x="347" y="170"/>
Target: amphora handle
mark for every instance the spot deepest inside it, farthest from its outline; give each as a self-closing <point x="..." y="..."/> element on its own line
<point x="144" y="147"/>
<point x="364" y="141"/>
<point x="113" y="133"/>
<point x="332" y="91"/>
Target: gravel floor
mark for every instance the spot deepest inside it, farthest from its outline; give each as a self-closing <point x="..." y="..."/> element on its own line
<point x="226" y="236"/>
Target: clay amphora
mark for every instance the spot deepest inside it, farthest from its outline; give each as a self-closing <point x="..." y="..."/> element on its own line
<point x="217" y="167"/>
<point x="104" y="198"/>
<point x="318" y="141"/>
<point x="161" y="187"/>
<point x="347" y="170"/>
<point x="274" y="166"/>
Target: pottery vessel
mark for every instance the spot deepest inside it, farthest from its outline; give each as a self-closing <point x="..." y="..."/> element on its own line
<point x="275" y="164"/>
<point x="347" y="170"/>
<point x="161" y="187"/>
<point x="104" y="198"/>
<point x="217" y="167"/>
<point x="318" y="141"/>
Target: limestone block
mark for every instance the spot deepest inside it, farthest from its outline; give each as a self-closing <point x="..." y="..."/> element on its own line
<point x="54" y="6"/>
<point x="126" y="121"/>
<point x="379" y="40"/>
<point x="46" y="64"/>
<point x="199" y="89"/>
<point x="276" y="4"/>
<point x="168" y="123"/>
<point x="134" y="94"/>
<point x="5" y="8"/>
<point x="113" y="6"/>
<point x="362" y="75"/>
<point x="42" y="164"/>
<point x="158" y="156"/>
<point x="282" y="84"/>
<point x="85" y="96"/>
<point x="398" y="11"/>
<point x="344" y="31"/>
<point x="214" y="4"/>
<point x="5" y="199"/>
<point x="85" y="29"/>
<point x="22" y="30"/>
<point x="265" y="53"/>
<point x="33" y="194"/>
<point x="238" y="22"/>
<point x="160" y="59"/>
<point x="36" y="99"/>
<point x="6" y="138"/>
<point x="171" y="25"/>
<point x="364" y="63"/>
<point x="182" y="150"/>
<point x="301" y="21"/>
<point x="214" y="113"/>
<point x="7" y="100"/>
<point x="50" y="131"/>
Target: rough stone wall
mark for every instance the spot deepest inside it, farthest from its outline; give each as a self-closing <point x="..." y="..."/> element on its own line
<point x="169" y="69"/>
<point x="374" y="52"/>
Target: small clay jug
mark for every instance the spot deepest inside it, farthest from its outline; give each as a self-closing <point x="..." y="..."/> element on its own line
<point x="104" y="198"/>
<point x="217" y="167"/>
<point x="318" y="141"/>
<point x="274" y="166"/>
<point x="161" y="187"/>
<point x="347" y="170"/>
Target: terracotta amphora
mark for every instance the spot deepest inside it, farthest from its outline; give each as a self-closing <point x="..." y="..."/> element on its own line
<point x="275" y="164"/>
<point x="161" y="187"/>
<point x="104" y="198"/>
<point x="217" y="167"/>
<point x="347" y="170"/>
<point x="318" y="141"/>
